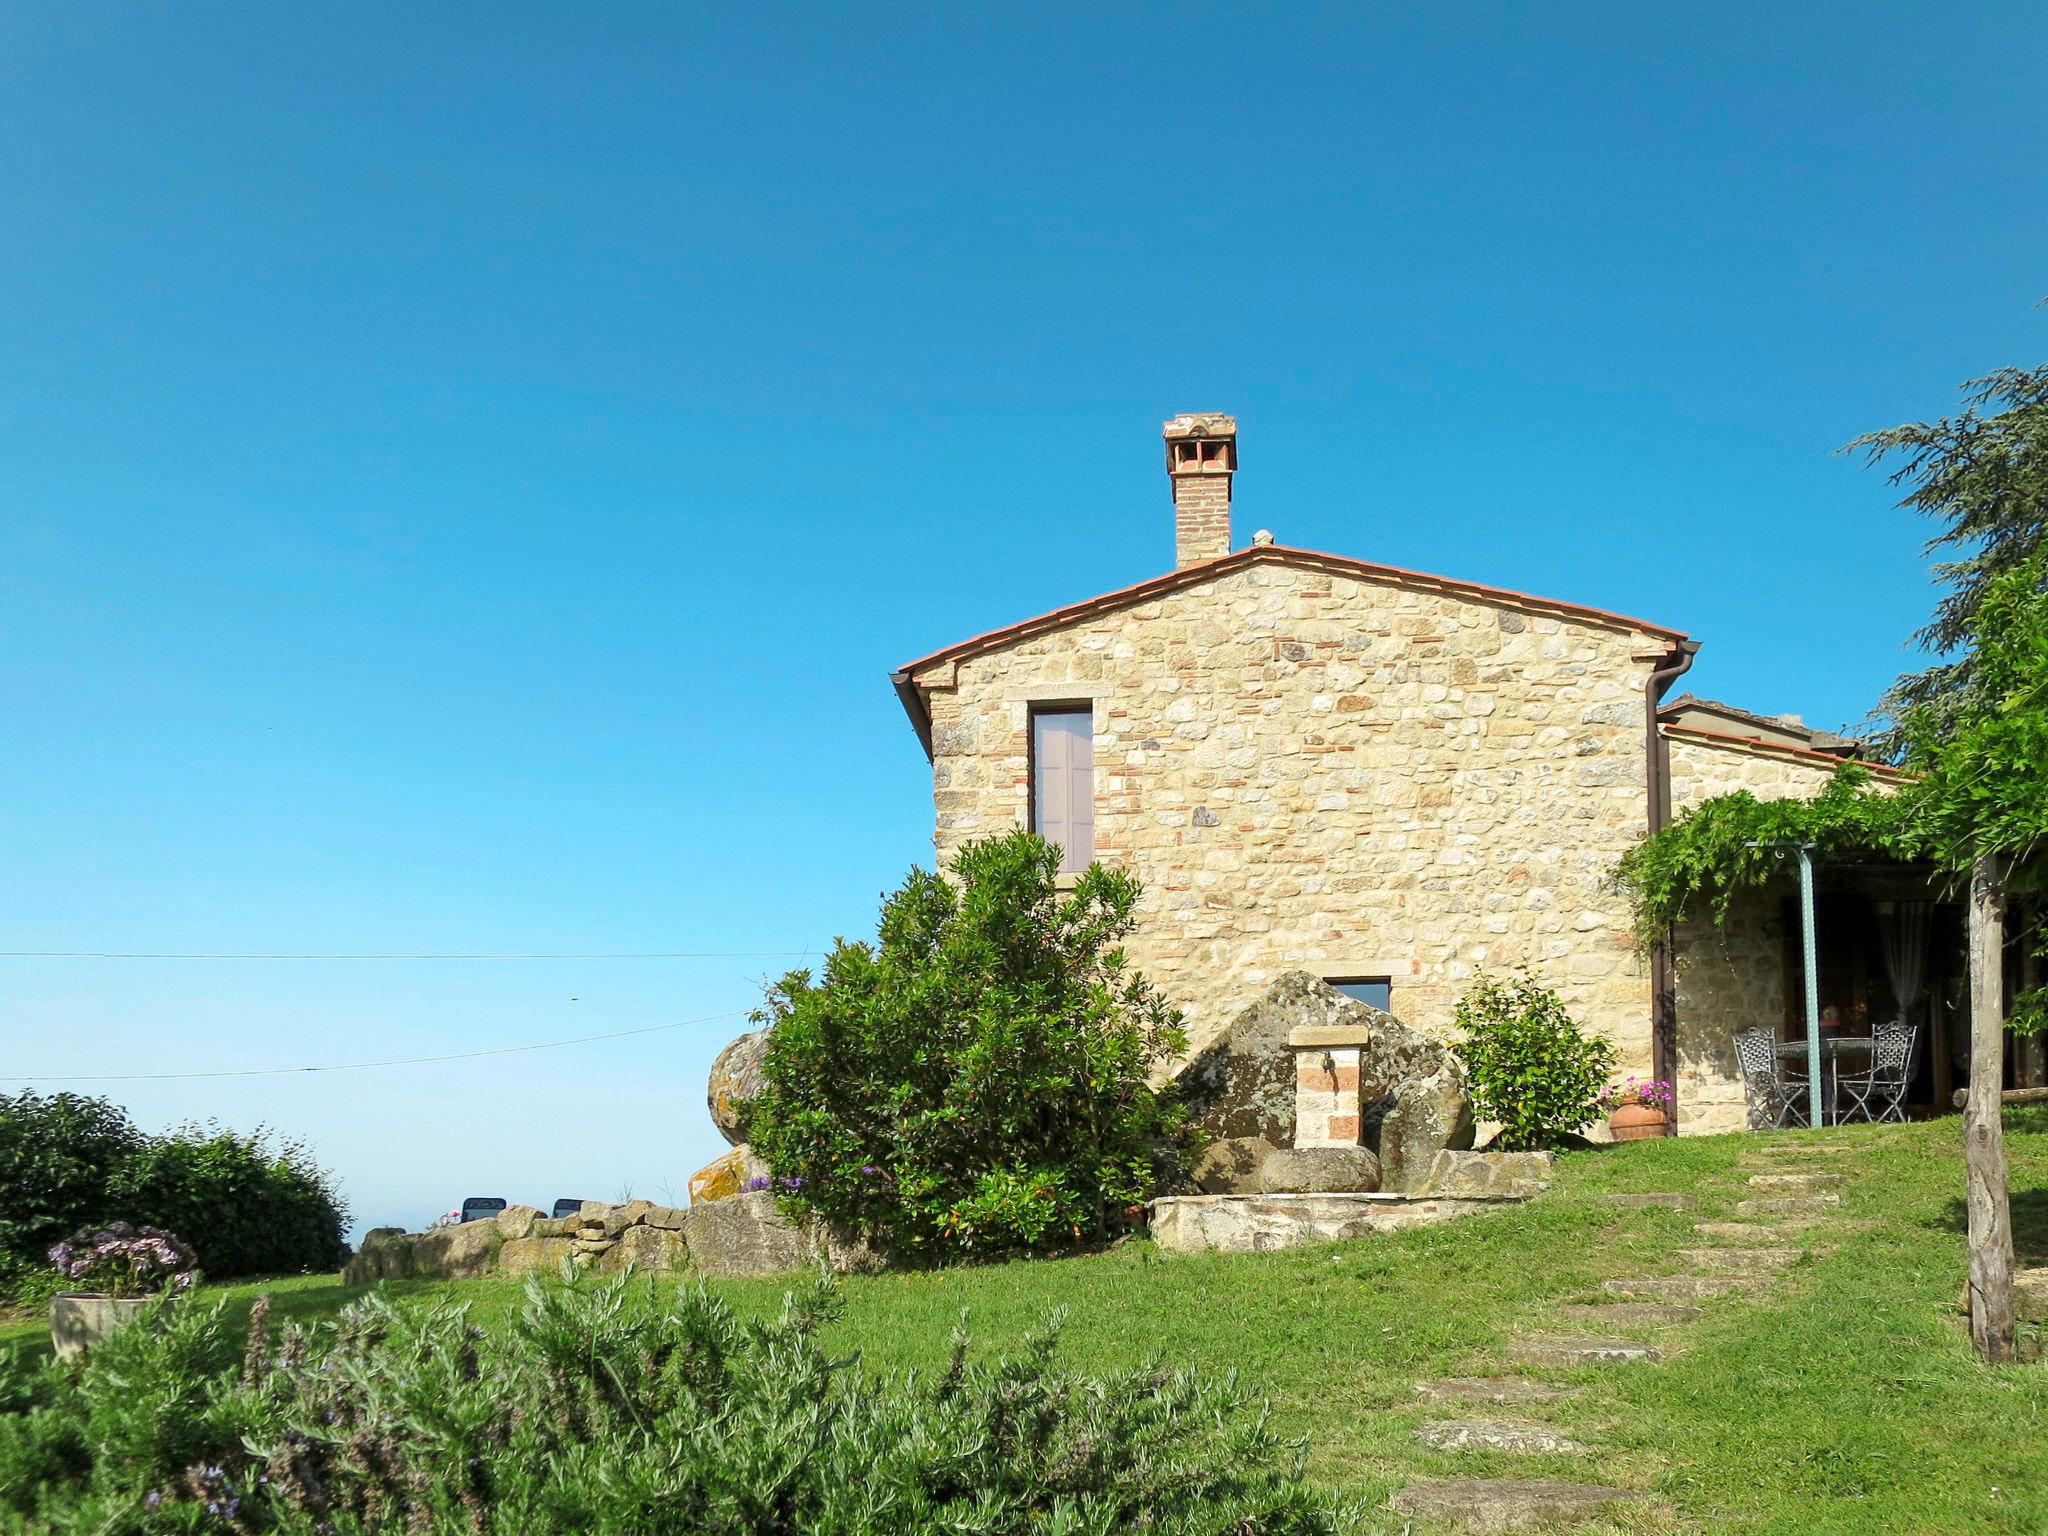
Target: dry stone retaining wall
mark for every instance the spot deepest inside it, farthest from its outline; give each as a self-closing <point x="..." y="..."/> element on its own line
<point x="746" y="1234"/>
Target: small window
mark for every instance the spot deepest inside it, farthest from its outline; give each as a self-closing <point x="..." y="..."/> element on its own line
<point x="1063" y="782"/>
<point x="1374" y="991"/>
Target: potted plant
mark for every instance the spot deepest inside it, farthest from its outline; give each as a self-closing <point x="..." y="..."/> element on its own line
<point x="121" y="1271"/>
<point x="1638" y="1109"/>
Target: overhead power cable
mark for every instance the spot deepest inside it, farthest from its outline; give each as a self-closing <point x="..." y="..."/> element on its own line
<point x="652" y="954"/>
<point x="360" y="1066"/>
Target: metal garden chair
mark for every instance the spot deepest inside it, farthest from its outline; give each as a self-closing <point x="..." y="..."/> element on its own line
<point x="1774" y="1101"/>
<point x="1880" y="1093"/>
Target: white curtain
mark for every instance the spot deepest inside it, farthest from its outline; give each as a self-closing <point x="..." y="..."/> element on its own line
<point x="1904" y="926"/>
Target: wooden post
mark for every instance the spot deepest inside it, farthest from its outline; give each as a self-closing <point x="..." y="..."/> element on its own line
<point x="1983" y="1130"/>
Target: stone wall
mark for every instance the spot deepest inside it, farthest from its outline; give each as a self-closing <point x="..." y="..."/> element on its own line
<point x="1732" y="977"/>
<point x="743" y="1235"/>
<point x="1348" y="775"/>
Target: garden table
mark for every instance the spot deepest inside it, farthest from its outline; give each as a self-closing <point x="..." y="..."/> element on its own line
<point x="1832" y="1049"/>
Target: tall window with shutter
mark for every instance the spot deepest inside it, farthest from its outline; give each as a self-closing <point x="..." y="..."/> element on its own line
<point x="1063" y="782"/>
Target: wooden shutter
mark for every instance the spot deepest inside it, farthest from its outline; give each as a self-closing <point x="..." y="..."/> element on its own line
<point x="1063" y="783"/>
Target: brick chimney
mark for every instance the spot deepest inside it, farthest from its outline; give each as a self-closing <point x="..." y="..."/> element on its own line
<point x="1201" y="456"/>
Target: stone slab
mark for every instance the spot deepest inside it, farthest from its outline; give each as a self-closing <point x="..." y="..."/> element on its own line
<point x="1495" y="1506"/>
<point x="1788" y="1205"/>
<point x="1487" y="1389"/>
<point x="1496" y="1435"/>
<point x="1568" y="1351"/>
<point x="1630" y="1314"/>
<point x="1739" y="1261"/>
<point x="1679" y="1287"/>
<point x="1309" y="1036"/>
<point x="1489" y="1173"/>
<point x="1798" y="1183"/>
<point x="1743" y="1233"/>
<point x="1265" y="1223"/>
<point x="1652" y="1200"/>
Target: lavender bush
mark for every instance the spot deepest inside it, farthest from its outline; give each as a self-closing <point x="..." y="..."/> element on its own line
<point x="122" y="1260"/>
<point x="622" y="1408"/>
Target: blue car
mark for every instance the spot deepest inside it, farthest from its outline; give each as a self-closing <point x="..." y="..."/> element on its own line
<point x="567" y="1208"/>
<point x="481" y="1207"/>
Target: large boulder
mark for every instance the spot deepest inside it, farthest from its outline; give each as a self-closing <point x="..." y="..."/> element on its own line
<point x="650" y="1250"/>
<point x="1419" y="1120"/>
<point x="1411" y="1089"/>
<point x="460" y="1252"/>
<point x="527" y="1255"/>
<point x="1243" y="1085"/>
<point x="738" y="1073"/>
<point x="386" y="1254"/>
<point x="1231" y="1166"/>
<point x="1320" y="1171"/>
<point x="517" y="1221"/>
<point x="748" y="1234"/>
<point x="723" y="1177"/>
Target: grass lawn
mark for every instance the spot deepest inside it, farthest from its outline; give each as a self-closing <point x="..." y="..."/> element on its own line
<point x="1843" y="1397"/>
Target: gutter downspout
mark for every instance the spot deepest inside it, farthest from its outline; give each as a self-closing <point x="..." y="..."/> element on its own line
<point x="1657" y="779"/>
<point x="912" y="700"/>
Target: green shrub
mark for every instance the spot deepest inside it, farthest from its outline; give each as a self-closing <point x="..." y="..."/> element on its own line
<point x="975" y="1082"/>
<point x="57" y="1152"/>
<point x="1530" y="1065"/>
<point x="246" y="1207"/>
<point x="622" y="1409"/>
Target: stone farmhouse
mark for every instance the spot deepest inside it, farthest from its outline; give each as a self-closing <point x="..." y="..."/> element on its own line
<point x="1388" y="779"/>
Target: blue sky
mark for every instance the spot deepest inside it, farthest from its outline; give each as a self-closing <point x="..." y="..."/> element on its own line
<point x="469" y="471"/>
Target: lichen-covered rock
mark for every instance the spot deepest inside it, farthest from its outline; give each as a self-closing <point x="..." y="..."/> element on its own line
<point x="1424" y="1117"/>
<point x="1231" y="1167"/>
<point x="386" y="1254"/>
<point x="526" y="1255"/>
<point x="1319" y="1171"/>
<point x="517" y="1221"/>
<point x="737" y="1074"/>
<point x="1243" y="1085"/>
<point x="1411" y="1089"/>
<point x="650" y="1250"/>
<point x="460" y="1252"/>
<point x="726" y="1176"/>
<point x="666" y="1217"/>
<point x="1488" y="1173"/>
<point x="747" y="1234"/>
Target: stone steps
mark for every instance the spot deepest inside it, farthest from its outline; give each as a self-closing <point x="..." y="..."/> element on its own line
<point x="1494" y="1506"/>
<point x="1630" y="1314"/>
<point x="1788" y="1205"/>
<point x="1798" y="1183"/>
<point x="1739" y="1261"/>
<point x="1680" y="1287"/>
<point x="1586" y="1351"/>
<point x="1655" y="1200"/>
<point x="1796" y="1149"/>
<point x="1496" y="1435"/>
<point x="1487" y="1389"/>
<point x="1740" y="1233"/>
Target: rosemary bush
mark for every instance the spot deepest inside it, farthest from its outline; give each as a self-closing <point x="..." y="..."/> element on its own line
<point x="622" y="1409"/>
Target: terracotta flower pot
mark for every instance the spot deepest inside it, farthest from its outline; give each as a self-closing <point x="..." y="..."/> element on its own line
<point x="78" y="1320"/>
<point x="1638" y="1122"/>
